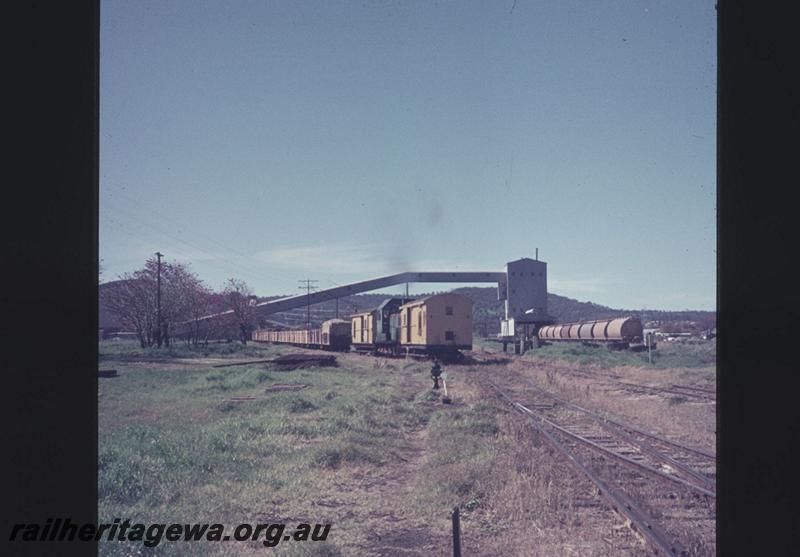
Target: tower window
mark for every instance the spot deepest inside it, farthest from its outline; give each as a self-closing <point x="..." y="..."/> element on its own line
<point x="448" y="310"/>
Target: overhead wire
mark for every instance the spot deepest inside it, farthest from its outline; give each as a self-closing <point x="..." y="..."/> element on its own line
<point x="215" y="260"/>
<point x="272" y="274"/>
<point x="216" y="257"/>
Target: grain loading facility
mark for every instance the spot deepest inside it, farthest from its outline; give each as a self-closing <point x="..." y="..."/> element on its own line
<point x="522" y="287"/>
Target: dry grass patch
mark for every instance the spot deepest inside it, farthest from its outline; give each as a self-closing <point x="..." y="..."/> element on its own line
<point x="688" y="420"/>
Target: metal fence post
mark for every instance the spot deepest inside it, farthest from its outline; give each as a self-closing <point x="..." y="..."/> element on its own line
<point x="456" y="533"/>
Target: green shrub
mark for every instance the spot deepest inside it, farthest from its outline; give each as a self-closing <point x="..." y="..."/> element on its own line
<point x="335" y="455"/>
<point x="300" y="405"/>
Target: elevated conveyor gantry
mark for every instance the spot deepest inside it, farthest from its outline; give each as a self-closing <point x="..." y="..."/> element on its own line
<point x="302" y="300"/>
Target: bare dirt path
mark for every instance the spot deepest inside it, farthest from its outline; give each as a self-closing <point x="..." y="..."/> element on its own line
<point x="374" y="505"/>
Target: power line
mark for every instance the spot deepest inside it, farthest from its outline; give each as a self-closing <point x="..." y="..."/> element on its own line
<point x="215" y="262"/>
<point x="147" y="226"/>
<point x="225" y="247"/>
<point x="308" y="288"/>
<point x="173" y="219"/>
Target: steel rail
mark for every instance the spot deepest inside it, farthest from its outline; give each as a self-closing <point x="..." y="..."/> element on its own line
<point x="652" y="531"/>
<point x="615" y="455"/>
<point x="702" y="395"/>
<point x="646" y="388"/>
<point x="707" y="391"/>
<point x="620" y="424"/>
<point x="703" y="481"/>
<point x="707" y="483"/>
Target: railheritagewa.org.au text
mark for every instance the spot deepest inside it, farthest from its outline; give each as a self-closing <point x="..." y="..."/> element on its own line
<point x="151" y="535"/>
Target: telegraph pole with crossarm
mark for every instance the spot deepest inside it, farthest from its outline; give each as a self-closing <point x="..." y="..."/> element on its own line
<point x="308" y="288"/>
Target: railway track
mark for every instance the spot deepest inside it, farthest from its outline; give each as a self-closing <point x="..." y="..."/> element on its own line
<point x="695" y="393"/>
<point x="681" y="463"/>
<point x="664" y="489"/>
<point x="673" y="390"/>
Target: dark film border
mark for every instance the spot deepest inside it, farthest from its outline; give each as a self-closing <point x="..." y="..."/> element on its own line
<point x="50" y="232"/>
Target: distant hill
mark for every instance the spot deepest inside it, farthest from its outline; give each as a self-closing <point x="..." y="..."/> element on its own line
<point x="565" y="310"/>
<point x="488" y="310"/>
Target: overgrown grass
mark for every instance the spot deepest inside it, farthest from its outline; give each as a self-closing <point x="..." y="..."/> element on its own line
<point x="463" y="449"/>
<point x="667" y="355"/>
<point x="183" y="442"/>
<point x="174" y="446"/>
<point x="130" y="350"/>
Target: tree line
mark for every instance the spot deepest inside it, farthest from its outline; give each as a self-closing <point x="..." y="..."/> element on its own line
<point x="162" y="302"/>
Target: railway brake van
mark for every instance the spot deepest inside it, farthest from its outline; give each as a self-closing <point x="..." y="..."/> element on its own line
<point x="361" y="324"/>
<point x="437" y="324"/>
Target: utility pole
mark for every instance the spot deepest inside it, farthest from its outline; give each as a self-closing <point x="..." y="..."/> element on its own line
<point x="308" y="289"/>
<point x="159" y="255"/>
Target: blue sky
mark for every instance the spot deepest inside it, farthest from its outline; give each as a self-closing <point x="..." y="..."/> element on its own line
<point x="275" y="141"/>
